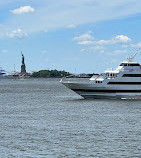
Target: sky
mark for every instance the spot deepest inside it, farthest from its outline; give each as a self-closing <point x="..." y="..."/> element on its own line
<point x="78" y="36"/>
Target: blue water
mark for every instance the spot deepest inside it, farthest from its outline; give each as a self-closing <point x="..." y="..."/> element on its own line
<point x="40" y="118"/>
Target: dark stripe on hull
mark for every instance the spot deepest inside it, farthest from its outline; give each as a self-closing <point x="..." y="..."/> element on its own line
<point x="110" y="97"/>
<point x="125" y="83"/>
<point x="131" y="75"/>
<point x="107" y="91"/>
<point x="99" y="97"/>
<point x="102" y="95"/>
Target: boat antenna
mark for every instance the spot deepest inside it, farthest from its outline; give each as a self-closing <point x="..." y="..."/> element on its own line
<point x="131" y="59"/>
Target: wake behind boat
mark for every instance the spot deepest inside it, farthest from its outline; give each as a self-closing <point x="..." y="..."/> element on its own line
<point x="122" y="83"/>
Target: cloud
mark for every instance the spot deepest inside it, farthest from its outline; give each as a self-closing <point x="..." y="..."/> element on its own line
<point x="120" y="51"/>
<point x="43" y="51"/>
<point x="97" y="48"/>
<point x="54" y="14"/>
<point x="102" y="42"/>
<point x="92" y="45"/>
<point x="45" y="31"/>
<point x="117" y="39"/>
<point x="17" y="34"/>
<point x="124" y="46"/>
<point x="4" y="51"/>
<point x="138" y="45"/>
<point x="116" y="52"/>
<point x="84" y="37"/>
<point x="122" y="38"/>
<point x="101" y="51"/>
<point x="87" y="39"/>
<point x="82" y="50"/>
<point x="86" y="42"/>
<point x="71" y="26"/>
<point x="21" y="10"/>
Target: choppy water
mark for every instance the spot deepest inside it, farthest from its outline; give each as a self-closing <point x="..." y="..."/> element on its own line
<point x="43" y="119"/>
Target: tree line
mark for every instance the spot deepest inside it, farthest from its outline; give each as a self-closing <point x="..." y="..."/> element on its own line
<point x="50" y="73"/>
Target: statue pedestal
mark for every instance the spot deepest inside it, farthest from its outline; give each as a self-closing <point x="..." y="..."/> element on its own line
<point x="23" y="69"/>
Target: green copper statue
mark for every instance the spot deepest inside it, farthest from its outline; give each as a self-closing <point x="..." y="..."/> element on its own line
<point x="23" y="67"/>
<point x="22" y="59"/>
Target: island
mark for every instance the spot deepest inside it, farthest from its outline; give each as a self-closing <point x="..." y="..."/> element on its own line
<point x="58" y="74"/>
<point x="50" y="74"/>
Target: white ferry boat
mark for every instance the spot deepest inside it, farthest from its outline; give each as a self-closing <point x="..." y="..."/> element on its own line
<point x="122" y="83"/>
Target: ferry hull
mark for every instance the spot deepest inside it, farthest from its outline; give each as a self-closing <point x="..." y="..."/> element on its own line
<point x="88" y="91"/>
<point x="109" y="96"/>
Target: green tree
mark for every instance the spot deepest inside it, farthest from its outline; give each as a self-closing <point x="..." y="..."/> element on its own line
<point x="50" y="73"/>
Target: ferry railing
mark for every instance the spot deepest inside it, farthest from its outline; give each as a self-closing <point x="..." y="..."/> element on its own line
<point x="74" y="80"/>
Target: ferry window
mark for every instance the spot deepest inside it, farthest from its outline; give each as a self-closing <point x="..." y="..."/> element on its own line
<point x="124" y="64"/>
<point x="131" y="75"/>
<point x="98" y="82"/>
<point x="134" y="64"/>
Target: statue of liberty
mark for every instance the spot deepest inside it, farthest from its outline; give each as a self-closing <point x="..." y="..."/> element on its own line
<point x="23" y="67"/>
<point x="22" y="59"/>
